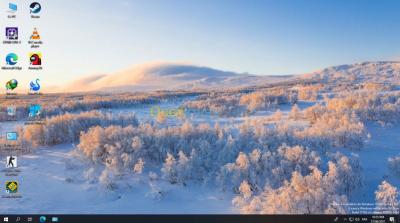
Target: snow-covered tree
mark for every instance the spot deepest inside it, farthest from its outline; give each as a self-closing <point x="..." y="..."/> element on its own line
<point x="169" y="169"/>
<point x="301" y="195"/>
<point x="387" y="199"/>
<point x="139" y="166"/>
<point x="295" y="113"/>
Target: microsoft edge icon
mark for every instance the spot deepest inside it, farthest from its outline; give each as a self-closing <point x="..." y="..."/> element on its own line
<point x="11" y="59"/>
<point x="42" y="219"/>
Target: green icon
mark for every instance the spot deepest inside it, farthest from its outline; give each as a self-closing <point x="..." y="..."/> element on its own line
<point x="11" y="187"/>
<point x="11" y="84"/>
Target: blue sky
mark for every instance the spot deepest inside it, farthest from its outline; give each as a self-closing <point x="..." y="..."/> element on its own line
<point x="257" y="36"/>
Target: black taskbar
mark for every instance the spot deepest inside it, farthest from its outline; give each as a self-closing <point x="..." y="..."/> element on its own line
<point x="201" y="218"/>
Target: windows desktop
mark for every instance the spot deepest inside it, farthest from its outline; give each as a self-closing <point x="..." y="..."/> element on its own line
<point x="200" y="111"/>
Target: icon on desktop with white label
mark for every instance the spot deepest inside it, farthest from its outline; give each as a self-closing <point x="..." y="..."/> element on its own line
<point x="35" y="7"/>
<point x="34" y="86"/>
<point x="35" y="59"/>
<point x="35" y="35"/>
<point x="11" y="162"/>
<point x="12" y="7"/>
<point x="11" y="111"/>
<point x="11" y="136"/>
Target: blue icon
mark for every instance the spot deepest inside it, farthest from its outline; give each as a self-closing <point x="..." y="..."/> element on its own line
<point x="11" y="136"/>
<point x="12" y="7"/>
<point x="11" y="59"/>
<point x="11" y="111"/>
<point x="35" y="7"/>
<point x="34" y="85"/>
<point x="54" y="219"/>
<point x="34" y="111"/>
<point x="42" y="219"/>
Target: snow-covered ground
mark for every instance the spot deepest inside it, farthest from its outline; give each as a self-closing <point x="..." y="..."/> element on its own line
<point x="384" y="143"/>
<point x="47" y="185"/>
<point x="52" y="179"/>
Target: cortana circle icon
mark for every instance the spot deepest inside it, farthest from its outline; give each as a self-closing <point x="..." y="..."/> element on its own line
<point x="35" y="7"/>
<point x="11" y="59"/>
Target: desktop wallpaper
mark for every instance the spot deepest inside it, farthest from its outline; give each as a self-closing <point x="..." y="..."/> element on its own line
<point x="199" y="107"/>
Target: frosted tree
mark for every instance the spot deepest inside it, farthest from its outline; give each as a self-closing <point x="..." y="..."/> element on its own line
<point x="184" y="169"/>
<point x="139" y="166"/>
<point x="308" y="194"/>
<point x="169" y="169"/>
<point x="295" y="113"/>
<point x="387" y="199"/>
<point x="241" y="200"/>
<point x="136" y="143"/>
<point x="107" y="179"/>
<point x="245" y="189"/>
<point x="277" y="116"/>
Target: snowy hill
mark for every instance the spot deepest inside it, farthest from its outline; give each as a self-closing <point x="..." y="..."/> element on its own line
<point x="372" y="72"/>
<point x="182" y="76"/>
<point x="168" y="76"/>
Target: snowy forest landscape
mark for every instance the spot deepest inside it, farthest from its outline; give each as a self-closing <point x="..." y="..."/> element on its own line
<point x="319" y="143"/>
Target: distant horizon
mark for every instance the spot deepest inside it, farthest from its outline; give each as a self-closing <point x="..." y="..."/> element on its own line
<point x="54" y="89"/>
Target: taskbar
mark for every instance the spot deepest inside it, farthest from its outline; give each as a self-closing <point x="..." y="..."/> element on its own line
<point x="201" y="218"/>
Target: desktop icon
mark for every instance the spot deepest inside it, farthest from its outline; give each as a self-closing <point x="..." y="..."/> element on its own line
<point x="42" y="219"/>
<point x="11" y="59"/>
<point x="11" y="162"/>
<point x="11" y="111"/>
<point x="12" y="33"/>
<point x="12" y="7"/>
<point x="34" y="85"/>
<point x="35" y="7"/>
<point x="11" y="187"/>
<point x="35" y="59"/>
<point x="29" y="219"/>
<point x="34" y="111"/>
<point x="11" y="136"/>
<point x="54" y="219"/>
<point x="35" y="35"/>
<point x="11" y="84"/>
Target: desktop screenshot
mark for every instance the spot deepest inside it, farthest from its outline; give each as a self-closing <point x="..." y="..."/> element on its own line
<point x="283" y="111"/>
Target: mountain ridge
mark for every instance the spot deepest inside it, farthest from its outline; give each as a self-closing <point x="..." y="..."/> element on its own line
<point x="185" y="76"/>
